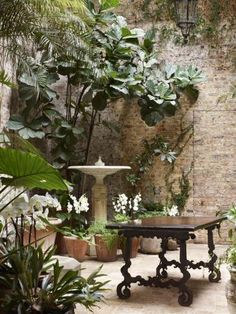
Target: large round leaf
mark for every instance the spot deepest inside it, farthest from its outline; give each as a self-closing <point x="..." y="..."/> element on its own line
<point x="151" y="118"/>
<point x="99" y="102"/>
<point x="29" y="170"/>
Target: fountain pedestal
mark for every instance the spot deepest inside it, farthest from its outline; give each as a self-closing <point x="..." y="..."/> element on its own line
<point x="99" y="202"/>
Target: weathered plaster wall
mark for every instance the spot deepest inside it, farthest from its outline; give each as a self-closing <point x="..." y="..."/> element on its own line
<point x="211" y="148"/>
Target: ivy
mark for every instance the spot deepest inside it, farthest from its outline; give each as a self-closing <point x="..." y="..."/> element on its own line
<point x="211" y="14"/>
<point x="180" y="199"/>
<point x="142" y="162"/>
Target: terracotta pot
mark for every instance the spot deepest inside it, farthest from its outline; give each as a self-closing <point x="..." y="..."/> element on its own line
<point x="60" y="244"/>
<point x="46" y="236"/>
<point x="135" y="243"/>
<point x="230" y="290"/>
<point x="76" y="248"/>
<point x="105" y="253"/>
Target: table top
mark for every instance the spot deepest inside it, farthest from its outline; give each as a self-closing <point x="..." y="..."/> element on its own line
<point x="169" y="223"/>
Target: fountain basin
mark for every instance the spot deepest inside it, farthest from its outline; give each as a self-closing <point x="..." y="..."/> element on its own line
<point x="99" y="172"/>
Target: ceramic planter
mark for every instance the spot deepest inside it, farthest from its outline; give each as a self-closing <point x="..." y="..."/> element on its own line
<point x="46" y="236"/>
<point x="150" y="245"/>
<point x="172" y="245"/>
<point x="230" y="290"/>
<point x="76" y="248"/>
<point x="105" y="252"/>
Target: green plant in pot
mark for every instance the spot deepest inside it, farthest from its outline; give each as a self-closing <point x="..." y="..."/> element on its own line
<point x="75" y="232"/>
<point x="106" y="241"/>
<point x="230" y="259"/>
<point x="33" y="218"/>
<point x="35" y="283"/>
<point x="152" y="209"/>
<point x="127" y="210"/>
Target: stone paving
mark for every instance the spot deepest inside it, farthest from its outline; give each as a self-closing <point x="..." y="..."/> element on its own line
<point x="208" y="298"/>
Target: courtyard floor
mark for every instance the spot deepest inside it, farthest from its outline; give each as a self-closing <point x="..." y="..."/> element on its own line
<point x="208" y="298"/>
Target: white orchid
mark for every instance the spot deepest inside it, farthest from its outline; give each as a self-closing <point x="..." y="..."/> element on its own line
<point x="17" y="207"/>
<point x="36" y="207"/>
<point x="122" y="203"/>
<point x="173" y="211"/>
<point x="80" y="205"/>
<point x="40" y="202"/>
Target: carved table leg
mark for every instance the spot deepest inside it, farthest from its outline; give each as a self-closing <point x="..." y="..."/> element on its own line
<point x="186" y="295"/>
<point x="215" y="274"/>
<point x="161" y="270"/>
<point x="123" y="289"/>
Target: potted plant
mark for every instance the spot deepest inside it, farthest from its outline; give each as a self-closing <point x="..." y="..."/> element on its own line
<point x="32" y="289"/>
<point x="35" y="216"/>
<point x="230" y="259"/>
<point x="74" y="231"/>
<point x="22" y="168"/>
<point x="127" y="210"/>
<point x="106" y="241"/>
<point x="44" y="209"/>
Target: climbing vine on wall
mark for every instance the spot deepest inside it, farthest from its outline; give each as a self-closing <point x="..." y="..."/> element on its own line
<point x="177" y="189"/>
<point x="156" y="147"/>
<point x="214" y="17"/>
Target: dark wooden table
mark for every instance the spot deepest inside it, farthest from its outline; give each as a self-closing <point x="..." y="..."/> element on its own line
<point x="181" y="229"/>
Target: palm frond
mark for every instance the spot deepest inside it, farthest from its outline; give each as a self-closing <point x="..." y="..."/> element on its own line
<point x="5" y="80"/>
<point x="21" y="17"/>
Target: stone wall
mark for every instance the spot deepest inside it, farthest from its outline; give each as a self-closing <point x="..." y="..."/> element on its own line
<point x="209" y="147"/>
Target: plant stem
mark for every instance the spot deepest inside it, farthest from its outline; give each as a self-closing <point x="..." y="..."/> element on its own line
<point x="1" y="209"/>
<point x="6" y="194"/>
<point x="30" y="230"/>
<point x="91" y="129"/>
<point x="77" y="109"/>
<point x="3" y="189"/>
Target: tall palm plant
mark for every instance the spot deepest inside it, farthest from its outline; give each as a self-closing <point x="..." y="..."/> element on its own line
<point x="23" y="17"/>
<point x="25" y="23"/>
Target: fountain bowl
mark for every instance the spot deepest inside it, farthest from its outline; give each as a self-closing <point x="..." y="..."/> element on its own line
<point x="100" y="171"/>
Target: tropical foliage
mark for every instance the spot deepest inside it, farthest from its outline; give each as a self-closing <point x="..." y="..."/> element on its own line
<point x="5" y="80"/>
<point x="22" y="167"/>
<point x="22" y="22"/>
<point x="35" y="283"/>
<point x="104" y="61"/>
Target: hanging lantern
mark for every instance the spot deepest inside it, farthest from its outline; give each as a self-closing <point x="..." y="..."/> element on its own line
<point x="186" y="14"/>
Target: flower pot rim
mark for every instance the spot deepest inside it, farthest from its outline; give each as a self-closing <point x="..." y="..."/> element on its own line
<point x="54" y="221"/>
<point x="101" y="235"/>
<point x="76" y="238"/>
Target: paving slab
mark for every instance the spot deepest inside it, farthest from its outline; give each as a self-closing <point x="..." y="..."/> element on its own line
<point x="208" y="298"/>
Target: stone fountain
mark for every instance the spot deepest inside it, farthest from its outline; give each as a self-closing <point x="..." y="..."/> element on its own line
<point x="99" y="191"/>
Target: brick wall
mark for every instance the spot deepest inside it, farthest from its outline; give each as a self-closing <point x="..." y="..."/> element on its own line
<point x="211" y="149"/>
